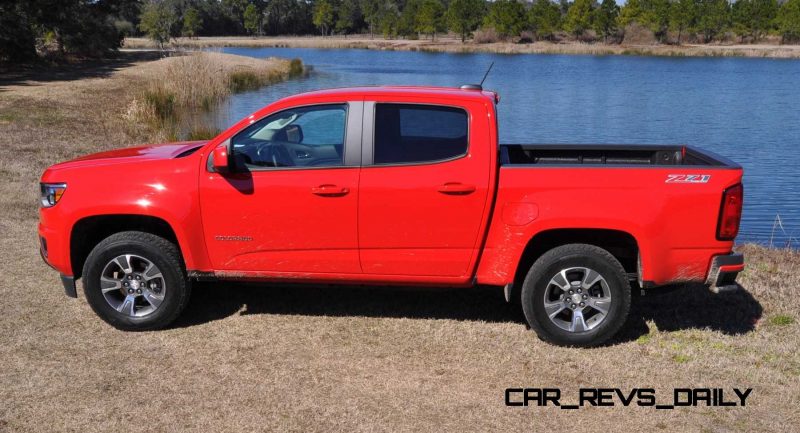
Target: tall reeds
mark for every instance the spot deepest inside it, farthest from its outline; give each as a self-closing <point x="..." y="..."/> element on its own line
<point x="192" y="84"/>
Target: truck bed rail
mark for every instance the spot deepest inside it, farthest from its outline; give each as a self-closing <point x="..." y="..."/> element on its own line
<point x="610" y="154"/>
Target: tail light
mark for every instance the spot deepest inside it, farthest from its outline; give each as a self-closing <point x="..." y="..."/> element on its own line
<point x="730" y="213"/>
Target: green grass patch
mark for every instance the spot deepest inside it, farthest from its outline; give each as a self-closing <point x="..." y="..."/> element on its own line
<point x="781" y="320"/>
<point x="770" y="357"/>
<point x="202" y="133"/>
<point x="718" y="346"/>
<point x="242" y="81"/>
<point x="8" y="117"/>
<point x="207" y="103"/>
<point x="681" y="358"/>
<point x="296" y="68"/>
<point x="162" y="102"/>
<point x="644" y="339"/>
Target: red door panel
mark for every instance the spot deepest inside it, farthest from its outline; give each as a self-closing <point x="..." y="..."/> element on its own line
<point x="282" y="220"/>
<point x="425" y="219"/>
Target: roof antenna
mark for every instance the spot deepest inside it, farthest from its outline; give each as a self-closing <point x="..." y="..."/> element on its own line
<point x="478" y="86"/>
<point x="486" y="74"/>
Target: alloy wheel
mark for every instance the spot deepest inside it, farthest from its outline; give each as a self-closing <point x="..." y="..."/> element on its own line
<point x="133" y="285"/>
<point x="577" y="299"/>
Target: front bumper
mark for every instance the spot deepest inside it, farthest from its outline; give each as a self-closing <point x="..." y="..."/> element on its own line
<point x="723" y="272"/>
<point x="54" y="247"/>
<point x="67" y="281"/>
<point x="69" y="286"/>
<point x="52" y="258"/>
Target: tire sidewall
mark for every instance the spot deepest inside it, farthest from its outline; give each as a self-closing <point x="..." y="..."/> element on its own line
<point x="537" y="282"/>
<point x="173" y="278"/>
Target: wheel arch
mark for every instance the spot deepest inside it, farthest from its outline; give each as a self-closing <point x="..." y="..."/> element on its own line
<point x="621" y="244"/>
<point x="87" y="232"/>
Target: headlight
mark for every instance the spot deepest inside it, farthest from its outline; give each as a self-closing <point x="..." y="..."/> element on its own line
<point x="51" y="193"/>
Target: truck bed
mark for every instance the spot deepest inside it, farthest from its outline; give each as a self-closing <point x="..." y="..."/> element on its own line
<point x="666" y="197"/>
<point x="610" y="154"/>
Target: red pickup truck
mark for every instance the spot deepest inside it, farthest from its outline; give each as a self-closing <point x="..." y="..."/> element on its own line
<point x="392" y="186"/>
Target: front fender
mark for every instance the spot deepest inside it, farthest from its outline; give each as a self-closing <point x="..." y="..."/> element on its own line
<point x="164" y="189"/>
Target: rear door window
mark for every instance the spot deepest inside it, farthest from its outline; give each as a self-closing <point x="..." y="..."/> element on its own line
<point x="410" y="133"/>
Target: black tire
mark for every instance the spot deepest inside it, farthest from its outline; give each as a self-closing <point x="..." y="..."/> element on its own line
<point x="537" y="284"/>
<point x="159" y="251"/>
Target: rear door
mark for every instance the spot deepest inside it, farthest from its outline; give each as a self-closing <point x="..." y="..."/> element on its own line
<point x="423" y="188"/>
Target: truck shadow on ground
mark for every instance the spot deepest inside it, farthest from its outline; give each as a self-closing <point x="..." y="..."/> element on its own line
<point x="692" y="307"/>
<point x="688" y="307"/>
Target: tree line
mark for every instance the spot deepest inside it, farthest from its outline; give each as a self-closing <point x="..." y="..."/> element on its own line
<point x="90" y="27"/>
<point x="545" y="19"/>
<point x="521" y="20"/>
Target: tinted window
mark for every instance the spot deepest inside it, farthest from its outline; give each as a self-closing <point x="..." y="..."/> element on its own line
<point x="418" y="133"/>
<point x="305" y="136"/>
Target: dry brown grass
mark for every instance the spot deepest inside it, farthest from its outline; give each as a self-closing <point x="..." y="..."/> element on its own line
<point x="445" y="44"/>
<point x="246" y="358"/>
<point x="51" y="116"/>
<point x="181" y="87"/>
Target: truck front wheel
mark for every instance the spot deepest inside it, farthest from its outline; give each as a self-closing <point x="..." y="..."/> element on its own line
<point x="136" y="281"/>
<point x="576" y="295"/>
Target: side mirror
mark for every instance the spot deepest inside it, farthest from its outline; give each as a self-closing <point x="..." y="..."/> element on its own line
<point x="294" y="134"/>
<point x="220" y="157"/>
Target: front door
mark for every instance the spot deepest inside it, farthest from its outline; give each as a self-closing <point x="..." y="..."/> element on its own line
<point x="423" y="189"/>
<point x="290" y="206"/>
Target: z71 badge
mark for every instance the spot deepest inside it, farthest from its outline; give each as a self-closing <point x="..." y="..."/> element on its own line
<point x="688" y="178"/>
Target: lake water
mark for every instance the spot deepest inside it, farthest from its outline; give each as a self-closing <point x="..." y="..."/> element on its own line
<point x="745" y="109"/>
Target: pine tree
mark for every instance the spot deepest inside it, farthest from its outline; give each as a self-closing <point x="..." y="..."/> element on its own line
<point x="713" y="18"/>
<point x="430" y="18"/>
<point x="191" y="22"/>
<point x="251" y="19"/>
<point x="764" y="13"/>
<point x="323" y="16"/>
<point x="157" y="21"/>
<point x="507" y="17"/>
<point x="371" y="9"/>
<point x="389" y="19"/>
<point x="579" y="17"/>
<point x="788" y="21"/>
<point x="605" y="19"/>
<point x="682" y="16"/>
<point x="346" y="16"/>
<point x="464" y="16"/>
<point x="545" y="18"/>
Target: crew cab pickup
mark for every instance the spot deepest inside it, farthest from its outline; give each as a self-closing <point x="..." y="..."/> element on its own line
<point x="392" y="186"/>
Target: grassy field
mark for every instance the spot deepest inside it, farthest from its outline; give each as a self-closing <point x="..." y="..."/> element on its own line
<point x="452" y="45"/>
<point x="255" y="358"/>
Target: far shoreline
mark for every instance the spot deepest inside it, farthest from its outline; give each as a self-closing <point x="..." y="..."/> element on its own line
<point x="452" y="45"/>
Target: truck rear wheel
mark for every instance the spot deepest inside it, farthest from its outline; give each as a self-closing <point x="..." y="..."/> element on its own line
<point x="136" y="281"/>
<point x="576" y="295"/>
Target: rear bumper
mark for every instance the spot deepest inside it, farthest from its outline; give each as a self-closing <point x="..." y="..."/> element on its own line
<point x="723" y="271"/>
